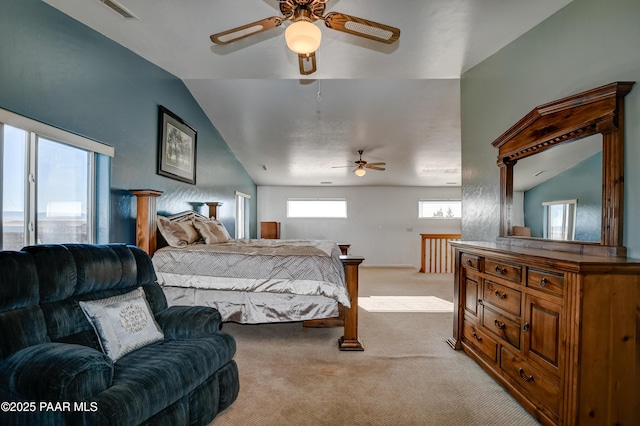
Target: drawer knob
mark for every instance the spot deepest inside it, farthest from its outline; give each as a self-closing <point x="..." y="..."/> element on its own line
<point x="500" y="270"/>
<point x="543" y="282"/>
<point x="475" y="336"/>
<point x="526" y="327"/>
<point x="525" y="378"/>
<point x="501" y="296"/>
<point x="469" y="262"/>
<point x="499" y="325"/>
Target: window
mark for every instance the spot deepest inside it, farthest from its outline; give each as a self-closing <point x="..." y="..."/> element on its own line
<point x="14" y="163"/>
<point x="434" y="209"/>
<point x="242" y="215"/>
<point x="62" y="195"/>
<point x="53" y="184"/>
<point x="317" y="207"/>
<point x="560" y="217"/>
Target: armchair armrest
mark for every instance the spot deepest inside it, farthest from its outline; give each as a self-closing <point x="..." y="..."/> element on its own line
<point x="186" y="322"/>
<point x="56" y="372"/>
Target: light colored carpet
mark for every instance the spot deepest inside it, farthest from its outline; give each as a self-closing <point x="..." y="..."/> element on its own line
<point x="405" y="304"/>
<point x="407" y="375"/>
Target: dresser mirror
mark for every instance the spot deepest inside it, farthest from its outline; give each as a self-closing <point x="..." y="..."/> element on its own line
<point x="557" y="193"/>
<point x="587" y="127"/>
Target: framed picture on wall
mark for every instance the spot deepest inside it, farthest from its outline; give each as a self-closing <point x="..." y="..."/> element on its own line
<point x="176" y="148"/>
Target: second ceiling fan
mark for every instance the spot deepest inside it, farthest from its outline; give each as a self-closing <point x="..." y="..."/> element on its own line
<point x="302" y="36"/>
<point x="362" y="165"/>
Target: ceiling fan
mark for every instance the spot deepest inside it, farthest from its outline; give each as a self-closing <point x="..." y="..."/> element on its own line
<point x="362" y="165"/>
<point x="302" y="36"/>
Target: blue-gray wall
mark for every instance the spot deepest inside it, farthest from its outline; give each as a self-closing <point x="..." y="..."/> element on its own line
<point x="582" y="182"/>
<point x="587" y="44"/>
<point x="55" y="70"/>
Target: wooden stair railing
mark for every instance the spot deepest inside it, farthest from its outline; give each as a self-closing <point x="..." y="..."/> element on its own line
<point x="440" y="253"/>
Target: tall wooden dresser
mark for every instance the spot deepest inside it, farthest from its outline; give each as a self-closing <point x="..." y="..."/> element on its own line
<point x="560" y="331"/>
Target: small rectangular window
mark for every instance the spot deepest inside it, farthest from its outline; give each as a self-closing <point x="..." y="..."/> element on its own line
<point x="435" y="209"/>
<point x="317" y="208"/>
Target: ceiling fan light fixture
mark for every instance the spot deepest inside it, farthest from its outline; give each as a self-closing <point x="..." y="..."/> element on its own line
<point x="360" y="171"/>
<point x="303" y="37"/>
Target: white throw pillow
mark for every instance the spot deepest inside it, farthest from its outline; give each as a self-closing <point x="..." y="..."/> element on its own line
<point x="123" y="323"/>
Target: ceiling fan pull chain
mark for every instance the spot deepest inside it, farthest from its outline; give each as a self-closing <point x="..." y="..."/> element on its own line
<point x="319" y="96"/>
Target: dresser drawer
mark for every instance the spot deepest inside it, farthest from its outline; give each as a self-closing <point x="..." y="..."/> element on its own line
<point x="480" y="340"/>
<point x="470" y="261"/>
<point x="545" y="281"/>
<point x="504" y="270"/>
<point x="501" y="326"/>
<point x="545" y="388"/>
<point x="502" y="297"/>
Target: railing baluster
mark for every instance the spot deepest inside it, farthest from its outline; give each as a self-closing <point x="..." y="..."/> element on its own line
<point x="440" y="253"/>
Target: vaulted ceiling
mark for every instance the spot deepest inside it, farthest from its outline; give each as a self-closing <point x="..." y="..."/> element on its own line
<point x="400" y="103"/>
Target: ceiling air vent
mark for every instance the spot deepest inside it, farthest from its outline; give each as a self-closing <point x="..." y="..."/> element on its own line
<point x="119" y="9"/>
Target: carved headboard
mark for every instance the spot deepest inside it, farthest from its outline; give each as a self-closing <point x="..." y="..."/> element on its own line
<point x="147" y="236"/>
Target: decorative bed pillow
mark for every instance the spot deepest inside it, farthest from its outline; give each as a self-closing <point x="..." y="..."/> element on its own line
<point x="220" y="226"/>
<point x="177" y="234"/>
<point x="222" y="229"/>
<point x="123" y="323"/>
<point x="212" y="231"/>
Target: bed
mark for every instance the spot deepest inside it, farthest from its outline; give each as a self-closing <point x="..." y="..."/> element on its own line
<point x="249" y="281"/>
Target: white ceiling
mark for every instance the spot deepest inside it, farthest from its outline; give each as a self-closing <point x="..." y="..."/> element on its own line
<point x="400" y="102"/>
<point x="534" y="170"/>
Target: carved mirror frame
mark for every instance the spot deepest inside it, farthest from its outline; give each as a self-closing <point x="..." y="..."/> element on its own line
<point x="600" y="110"/>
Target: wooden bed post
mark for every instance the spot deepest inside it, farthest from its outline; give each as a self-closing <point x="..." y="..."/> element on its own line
<point x="213" y="208"/>
<point x="146" y="219"/>
<point x="350" y="340"/>
<point x="347" y="317"/>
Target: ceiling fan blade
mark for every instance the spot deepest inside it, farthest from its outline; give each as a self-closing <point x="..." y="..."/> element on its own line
<point x="362" y="27"/>
<point x="375" y="164"/>
<point x="375" y="168"/>
<point x="239" y="33"/>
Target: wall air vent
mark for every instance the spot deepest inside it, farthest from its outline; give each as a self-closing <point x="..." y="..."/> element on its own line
<point x="119" y="9"/>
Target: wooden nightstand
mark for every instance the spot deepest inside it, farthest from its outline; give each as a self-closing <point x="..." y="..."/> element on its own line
<point x="270" y="230"/>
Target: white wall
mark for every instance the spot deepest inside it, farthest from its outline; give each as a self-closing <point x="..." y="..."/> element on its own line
<point x="382" y="223"/>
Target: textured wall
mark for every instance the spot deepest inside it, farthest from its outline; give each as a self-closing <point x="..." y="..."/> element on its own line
<point x="587" y="44"/>
<point x="58" y="71"/>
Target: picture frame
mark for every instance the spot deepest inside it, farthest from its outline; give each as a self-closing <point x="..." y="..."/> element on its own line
<point x="177" y="143"/>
